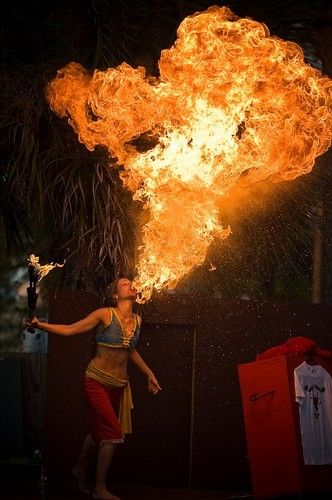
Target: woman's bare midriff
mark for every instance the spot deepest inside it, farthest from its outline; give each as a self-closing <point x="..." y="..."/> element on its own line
<point x="113" y="360"/>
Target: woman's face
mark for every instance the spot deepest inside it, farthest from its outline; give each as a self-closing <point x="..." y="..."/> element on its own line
<point x="125" y="289"/>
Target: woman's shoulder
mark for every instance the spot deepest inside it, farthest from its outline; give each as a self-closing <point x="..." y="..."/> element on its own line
<point x="104" y="313"/>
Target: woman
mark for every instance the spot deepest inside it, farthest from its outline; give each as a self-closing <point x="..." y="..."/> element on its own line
<point x="106" y="384"/>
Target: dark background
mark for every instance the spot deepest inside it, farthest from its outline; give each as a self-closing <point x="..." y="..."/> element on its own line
<point x="273" y="278"/>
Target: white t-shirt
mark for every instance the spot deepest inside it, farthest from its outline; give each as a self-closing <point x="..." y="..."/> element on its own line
<point x="313" y="392"/>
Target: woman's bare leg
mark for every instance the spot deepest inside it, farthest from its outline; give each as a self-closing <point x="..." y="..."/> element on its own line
<point x="105" y="456"/>
<point x="88" y="451"/>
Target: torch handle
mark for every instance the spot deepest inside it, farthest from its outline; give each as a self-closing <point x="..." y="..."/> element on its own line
<point x="31" y="329"/>
<point x="32" y="304"/>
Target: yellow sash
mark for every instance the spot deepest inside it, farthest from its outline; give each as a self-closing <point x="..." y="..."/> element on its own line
<point x="126" y="403"/>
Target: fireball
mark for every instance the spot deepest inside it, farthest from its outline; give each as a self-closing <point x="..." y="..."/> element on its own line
<point x="232" y="106"/>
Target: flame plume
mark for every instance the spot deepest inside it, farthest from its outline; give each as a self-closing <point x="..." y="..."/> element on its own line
<point x="41" y="270"/>
<point x="232" y="104"/>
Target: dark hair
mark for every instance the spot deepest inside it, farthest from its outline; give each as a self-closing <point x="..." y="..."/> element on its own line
<point x="111" y="291"/>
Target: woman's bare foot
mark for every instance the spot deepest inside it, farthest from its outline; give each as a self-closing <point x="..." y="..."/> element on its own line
<point x="103" y="495"/>
<point x="80" y="476"/>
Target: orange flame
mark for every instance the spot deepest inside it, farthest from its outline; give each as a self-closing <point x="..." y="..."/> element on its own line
<point x="232" y="103"/>
<point x="42" y="270"/>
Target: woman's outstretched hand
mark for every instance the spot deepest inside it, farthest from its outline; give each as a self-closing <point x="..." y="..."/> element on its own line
<point x="153" y="384"/>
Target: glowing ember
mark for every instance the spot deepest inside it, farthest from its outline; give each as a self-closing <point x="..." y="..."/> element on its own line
<point x="231" y="103"/>
<point x="41" y="271"/>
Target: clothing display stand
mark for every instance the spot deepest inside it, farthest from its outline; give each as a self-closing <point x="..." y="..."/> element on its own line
<point x="272" y="424"/>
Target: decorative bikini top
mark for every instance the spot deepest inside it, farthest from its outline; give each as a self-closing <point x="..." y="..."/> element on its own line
<point x="114" y="334"/>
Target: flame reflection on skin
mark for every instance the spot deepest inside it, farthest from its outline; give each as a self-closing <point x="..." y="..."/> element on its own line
<point x="232" y="104"/>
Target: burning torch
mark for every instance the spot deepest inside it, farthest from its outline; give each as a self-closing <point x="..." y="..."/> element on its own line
<point x="31" y="291"/>
<point x="36" y="273"/>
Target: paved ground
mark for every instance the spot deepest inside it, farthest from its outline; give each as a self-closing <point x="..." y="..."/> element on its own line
<point x="32" y="491"/>
<point x="22" y="482"/>
<point x="69" y="492"/>
<point x="18" y="486"/>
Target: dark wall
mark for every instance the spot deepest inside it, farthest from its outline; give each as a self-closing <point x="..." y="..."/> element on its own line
<point x="192" y="433"/>
<point x="11" y="421"/>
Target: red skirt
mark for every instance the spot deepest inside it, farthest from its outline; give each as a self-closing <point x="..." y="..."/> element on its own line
<point x="103" y="407"/>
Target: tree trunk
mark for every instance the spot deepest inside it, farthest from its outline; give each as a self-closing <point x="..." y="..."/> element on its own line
<point x="326" y="296"/>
